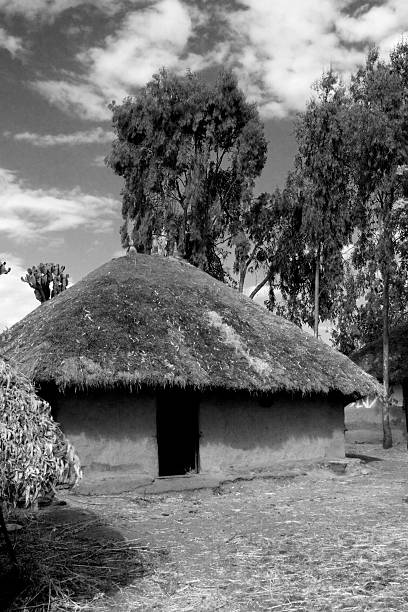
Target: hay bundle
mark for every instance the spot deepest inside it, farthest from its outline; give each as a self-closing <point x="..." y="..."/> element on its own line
<point x="34" y="454"/>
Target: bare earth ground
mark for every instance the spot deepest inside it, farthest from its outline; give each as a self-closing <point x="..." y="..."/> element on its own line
<point x="317" y="542"/>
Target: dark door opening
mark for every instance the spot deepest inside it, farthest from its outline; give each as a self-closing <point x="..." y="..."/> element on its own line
<point x="177" y="432"/>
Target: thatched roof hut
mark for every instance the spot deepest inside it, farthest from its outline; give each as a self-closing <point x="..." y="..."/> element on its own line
<point x="364" y="420"/>
<point x="153" y="345"/>
<point x="161" y="322"/>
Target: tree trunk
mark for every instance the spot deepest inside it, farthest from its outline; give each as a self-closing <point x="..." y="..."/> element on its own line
<point x="242" y="274"/>
<point x="243" y="269"/>
<point x="9" y="546"/>
<point x="387" y="435"/>
<point x="260" y="285"/>
<point x="317" y="293"/>
<point x="405" y="404"/>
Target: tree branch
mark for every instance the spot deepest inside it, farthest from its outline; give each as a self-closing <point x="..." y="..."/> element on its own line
<point x="261" y="284"/>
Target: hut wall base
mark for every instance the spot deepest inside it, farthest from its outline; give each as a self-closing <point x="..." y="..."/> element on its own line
<point x="242" y="435"/>
<point x="111" y="431"/>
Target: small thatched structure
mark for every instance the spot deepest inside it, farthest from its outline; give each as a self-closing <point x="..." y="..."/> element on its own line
<point x="153" y="365"/>
<point x="365" y="419"/>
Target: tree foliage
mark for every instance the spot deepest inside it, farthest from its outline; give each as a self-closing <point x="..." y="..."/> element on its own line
<point x="378" y="121"/>
<point x="378" y="135"/>
<point x="316" y="204"/>
<point x="359" y="308"/>
<point x="256" y="245"/>
<point x="189" y="154"/>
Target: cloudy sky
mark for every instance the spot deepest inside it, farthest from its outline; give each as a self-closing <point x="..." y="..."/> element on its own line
<point x="63" y="61"/>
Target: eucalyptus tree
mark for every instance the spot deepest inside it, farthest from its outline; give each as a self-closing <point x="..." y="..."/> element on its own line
<point x="378" y="134"/>
<point x="189" y="153"/>
<point x="257" y="245"/>
<point x="316" y="209"/>
<point x="326" y="192"/>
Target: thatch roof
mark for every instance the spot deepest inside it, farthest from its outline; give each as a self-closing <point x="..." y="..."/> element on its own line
<point x="370" y="357"/>
<point x="160" y="321"/>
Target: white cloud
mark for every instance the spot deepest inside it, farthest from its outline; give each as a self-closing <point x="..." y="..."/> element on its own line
<point x="97" y="135"/>
<point x="16" y="298"/>
<point x="50" y="9"/>
<point x="376" y="24"/>
<point x="30" y="214"/>
<point x="147" y="39"/>
<point x="77" y="98"/>
<point x="279" y="50"/>
<point x="99" y="161"/>
<point x="12" y="44"/>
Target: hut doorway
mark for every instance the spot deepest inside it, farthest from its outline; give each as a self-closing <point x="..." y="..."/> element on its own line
<point x="177" y="432"/>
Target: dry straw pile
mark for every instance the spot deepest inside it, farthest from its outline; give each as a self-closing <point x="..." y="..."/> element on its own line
<point x="59" y="559"/>
<point x="71" y="561"/>
<point x="34" y="454"/>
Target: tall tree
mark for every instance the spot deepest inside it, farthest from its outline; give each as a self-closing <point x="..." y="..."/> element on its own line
<point x="189" y="154"/>
<point x="316" y="210"/>
<point x="324" y="195"/>
<point x="378" y="134"/>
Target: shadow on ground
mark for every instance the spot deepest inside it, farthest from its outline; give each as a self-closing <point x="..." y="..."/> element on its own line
<point x="364" y="458"/>
<point x="68" y="557"/>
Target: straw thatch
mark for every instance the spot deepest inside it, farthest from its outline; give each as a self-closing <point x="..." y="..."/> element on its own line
<point x="159" y="321"/>
<point x="35" y="456"/>
<point x="370" y="357"/>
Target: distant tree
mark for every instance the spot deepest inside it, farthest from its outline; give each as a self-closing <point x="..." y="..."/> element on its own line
<point x="47" y="280"/>
<point x="314" y="219"/>
<point x="321" y="195"/>
<point x="316" y="211"/>
<point x="256" y="244"/>
<point x="378" y="135"/>
<point x="275" y="225"/>
<point x="189" y="154"/>
<point x="359" y="308"/>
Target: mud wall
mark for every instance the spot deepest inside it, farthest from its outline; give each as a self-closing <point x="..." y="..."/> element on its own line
<point x="111" y="430"/>
<point x="363" y="420"/>
<point x="239" y="434"/>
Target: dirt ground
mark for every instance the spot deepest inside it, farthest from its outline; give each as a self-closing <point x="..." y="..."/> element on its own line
<point x="315" y="542"/>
